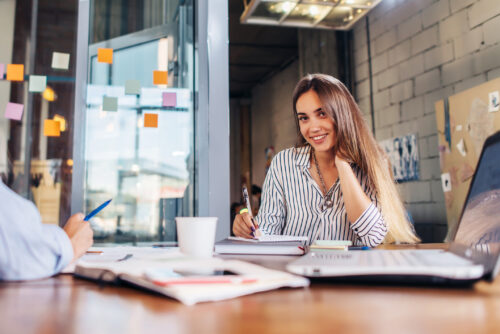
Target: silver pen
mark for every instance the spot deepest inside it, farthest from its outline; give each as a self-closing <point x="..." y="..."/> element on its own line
<point x="249" y="208"/>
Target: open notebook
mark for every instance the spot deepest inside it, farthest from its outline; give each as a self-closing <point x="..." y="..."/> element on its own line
<point x="172" y="274"/>
<point x="263" y="245"/>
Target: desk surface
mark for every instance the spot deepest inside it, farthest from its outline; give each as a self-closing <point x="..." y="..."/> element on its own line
<point x="63" y="304"/>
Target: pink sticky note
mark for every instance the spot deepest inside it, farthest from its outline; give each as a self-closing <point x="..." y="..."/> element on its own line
<point x="14" y="111"/>
<point x="2" y="70"/>
<point x="169" y="99"/>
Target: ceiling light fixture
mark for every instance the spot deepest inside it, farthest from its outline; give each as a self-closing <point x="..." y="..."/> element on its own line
<point x="321" y="14"/>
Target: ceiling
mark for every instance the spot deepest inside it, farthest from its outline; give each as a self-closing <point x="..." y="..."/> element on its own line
<point x="256" y="52"/>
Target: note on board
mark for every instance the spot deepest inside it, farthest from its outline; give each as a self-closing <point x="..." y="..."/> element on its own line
<point x="150" y="120"/>
<point x="169" y="99"/>
<point x="160" y="77"/>
<point x="60" y="60"/>
<point x="51" y="128"/>
<point x="109" y="103"/>
<point x="14" y="111"/>
<point x="37" y="83"/>
<point x="105" y="55"/>
<point x="446" y="182"/>
<point x="15" y="72"/>
<point x="132" y="87"/>
<point x="494" y="102"/>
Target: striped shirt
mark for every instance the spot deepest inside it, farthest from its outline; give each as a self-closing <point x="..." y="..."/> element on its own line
<point x="292" y="204"/>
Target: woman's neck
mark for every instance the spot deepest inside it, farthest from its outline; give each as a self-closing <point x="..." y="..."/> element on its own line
<point x="326" y="159"/>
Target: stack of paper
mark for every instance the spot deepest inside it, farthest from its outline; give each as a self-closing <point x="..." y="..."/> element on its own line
<point x="265" y="244"/>
<point x="202" y="285"/>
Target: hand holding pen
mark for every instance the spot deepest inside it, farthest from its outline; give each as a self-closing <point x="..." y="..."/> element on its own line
<point x="244" y="224"/>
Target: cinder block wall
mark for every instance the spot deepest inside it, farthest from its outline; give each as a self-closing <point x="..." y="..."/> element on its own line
<point x="423" y="51"/>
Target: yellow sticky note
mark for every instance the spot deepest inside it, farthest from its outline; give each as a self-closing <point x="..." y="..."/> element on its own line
<point x="150" y="120"/>
<point x="105" y="55"/>
<point x="160" y="77"/>
<point x="61" y="120"/>
<point x="15" y="72"/>
<point x="51" y="128"/>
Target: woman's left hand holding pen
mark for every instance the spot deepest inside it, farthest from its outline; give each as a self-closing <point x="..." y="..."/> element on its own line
<point x="245" y="225"/>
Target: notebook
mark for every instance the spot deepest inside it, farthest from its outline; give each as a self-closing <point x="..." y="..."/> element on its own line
<point x="188" y="280"/>
<point x="474" y="253"/>
<point x="263" y="245"/>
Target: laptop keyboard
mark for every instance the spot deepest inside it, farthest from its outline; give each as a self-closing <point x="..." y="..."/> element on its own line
<point x="414" y="258"/>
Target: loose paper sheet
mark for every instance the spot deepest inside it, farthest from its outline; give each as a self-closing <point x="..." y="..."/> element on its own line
<point x="51" y="128"/>
<point x="160" y="77"/>
<point x="14" y="111"/>
<point x="60" y="60"/>
<point x="132" y="87"/>
<point x="15" y="72"/>
<point x="105" y="55"/>
<point x="37" y="83"/>
<point x="109" y="103"/>
<point x="150" y="120"/>
<point x="169" y="99"/>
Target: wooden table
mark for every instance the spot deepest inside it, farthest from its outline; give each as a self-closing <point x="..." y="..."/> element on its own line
<point x="63" y="304"/>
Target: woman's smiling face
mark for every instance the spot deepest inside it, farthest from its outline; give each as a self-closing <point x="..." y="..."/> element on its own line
<point x="317" y="128"/>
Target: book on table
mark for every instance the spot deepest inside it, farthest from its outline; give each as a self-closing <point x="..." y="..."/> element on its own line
<point x="172" y="274"/>
<point x="263" y="245"/>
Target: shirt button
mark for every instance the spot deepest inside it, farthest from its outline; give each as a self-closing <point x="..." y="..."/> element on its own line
<point x="356" y="229"/>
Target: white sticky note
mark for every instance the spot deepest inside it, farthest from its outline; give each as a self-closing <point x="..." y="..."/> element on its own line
<point x="132" y="87"/>
<point x="446" y="182"/>
<point x="60" y="60"/>
<point x="37" y="83"/>
<point x="494" y="103"/>
<point x="461" y="148"/>
<point x="458" y="127"/>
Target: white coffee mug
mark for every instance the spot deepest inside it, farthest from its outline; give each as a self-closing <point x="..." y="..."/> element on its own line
<point x="196" y="235"/>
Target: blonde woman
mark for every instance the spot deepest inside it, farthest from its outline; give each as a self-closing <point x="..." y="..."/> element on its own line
<point x="335" y="184"/>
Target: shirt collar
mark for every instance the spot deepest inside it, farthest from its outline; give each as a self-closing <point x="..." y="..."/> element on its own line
<point x="303" y="156"/>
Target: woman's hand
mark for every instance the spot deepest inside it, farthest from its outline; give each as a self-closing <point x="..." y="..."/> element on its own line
<point x="340" y="161"/>
<point x="243" y="226"/>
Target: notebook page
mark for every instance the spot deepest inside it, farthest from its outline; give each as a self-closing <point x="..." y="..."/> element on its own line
<point x="271" y="238"/>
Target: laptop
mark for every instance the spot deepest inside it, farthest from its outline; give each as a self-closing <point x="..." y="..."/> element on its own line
<point x="472" y="255"/>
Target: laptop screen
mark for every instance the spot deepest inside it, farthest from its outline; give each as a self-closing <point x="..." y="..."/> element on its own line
<point x="480" y="223"/>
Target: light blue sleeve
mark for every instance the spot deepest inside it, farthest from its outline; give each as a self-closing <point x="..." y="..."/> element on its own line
<point x="28" y="248"/>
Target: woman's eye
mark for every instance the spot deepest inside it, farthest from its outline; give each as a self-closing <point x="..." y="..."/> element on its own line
<point x="322" y="114"/>
<point x="302" y="118"/>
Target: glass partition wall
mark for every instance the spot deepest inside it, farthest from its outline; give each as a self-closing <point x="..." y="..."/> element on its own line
<point x="136" y="141"/>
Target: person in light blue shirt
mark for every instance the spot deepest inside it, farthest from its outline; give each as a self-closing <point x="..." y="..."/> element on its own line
<point x="32" y="250"/>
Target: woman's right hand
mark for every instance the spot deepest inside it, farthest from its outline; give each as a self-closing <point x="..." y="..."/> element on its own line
<point x="243" y="226"/>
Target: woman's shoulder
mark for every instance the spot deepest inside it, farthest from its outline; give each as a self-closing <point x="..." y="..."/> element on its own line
<point x="291" y="155"/>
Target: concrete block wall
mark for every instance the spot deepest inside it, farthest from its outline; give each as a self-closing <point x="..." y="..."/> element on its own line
<point x="421" y="52"/>
<point x="273" y="123"/>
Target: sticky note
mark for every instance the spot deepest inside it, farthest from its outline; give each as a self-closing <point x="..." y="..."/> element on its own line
<point x="458" y="127"/>
<point x="132" y="87"/>
<point x="446" y="182"/>
<point x="2" y="70"/>
<point x="105" y="55"/>
<point x="109" y="103"/>
<point x="15" y="72"/>
<point x="60" y="60"/>
<point x="14" y="111"/>
<point x="494" y="102"/>
<point x="461" y="147"/>
<point x="150" y="120"/>
<point x="169" y="99"/>
<point x="37" y="83"/>
<point x="160" y="77"/>
<point x="51" y="128"/>
<point x="62" y="122"/>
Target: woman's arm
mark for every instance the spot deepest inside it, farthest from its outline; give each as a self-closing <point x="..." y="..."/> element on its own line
<point x="365" y="218"/>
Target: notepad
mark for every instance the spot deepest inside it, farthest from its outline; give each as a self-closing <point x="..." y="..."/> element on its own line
<point x="272" y="238"/>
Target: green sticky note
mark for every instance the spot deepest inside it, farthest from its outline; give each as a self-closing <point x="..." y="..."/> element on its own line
<point x="132" y="87"/>
<point x="37" y="83"/>
<point x="109" y="103"/>
<point x="333" y="242"/>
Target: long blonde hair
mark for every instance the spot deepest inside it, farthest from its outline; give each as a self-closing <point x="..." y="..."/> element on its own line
<point x="355" y="142"/>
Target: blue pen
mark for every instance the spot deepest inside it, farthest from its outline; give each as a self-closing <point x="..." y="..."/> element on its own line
<point x="358" y="248"/>
<point x="96" y="211"/>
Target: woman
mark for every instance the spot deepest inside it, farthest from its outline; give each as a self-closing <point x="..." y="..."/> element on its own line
<point x="336" y="183"/>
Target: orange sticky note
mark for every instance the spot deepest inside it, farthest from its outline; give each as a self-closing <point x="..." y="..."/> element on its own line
<point x="105" y="55"/>
<point x="15" y="72"/>
<point x="160" y="77"/>
<point x="150" y="120"/>
<point x="51" y="128"/>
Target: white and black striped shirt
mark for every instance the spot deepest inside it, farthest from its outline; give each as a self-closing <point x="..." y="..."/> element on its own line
<point x="292" y="204"/>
